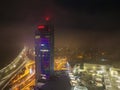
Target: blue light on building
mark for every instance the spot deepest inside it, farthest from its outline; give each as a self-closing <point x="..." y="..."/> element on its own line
<point x="44" y="50"/>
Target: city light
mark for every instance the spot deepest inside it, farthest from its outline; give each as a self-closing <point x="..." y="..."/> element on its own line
<point x="41" y="27"/>
<point x="47" y="18"/>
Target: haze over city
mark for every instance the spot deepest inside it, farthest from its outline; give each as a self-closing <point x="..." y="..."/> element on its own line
<point x="60" y="45"/>
<point x="78" y="24"/>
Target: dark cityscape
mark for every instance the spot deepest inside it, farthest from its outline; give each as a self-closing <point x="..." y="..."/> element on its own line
<point x="60" y="45"/>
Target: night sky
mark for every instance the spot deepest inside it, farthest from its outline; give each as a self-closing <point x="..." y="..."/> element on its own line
<point x="78" y="23"/>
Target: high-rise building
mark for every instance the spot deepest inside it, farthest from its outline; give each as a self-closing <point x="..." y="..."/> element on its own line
<point x="44" y="50"/>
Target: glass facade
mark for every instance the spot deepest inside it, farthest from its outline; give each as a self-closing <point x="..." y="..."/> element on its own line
<point x="44" y="43"/>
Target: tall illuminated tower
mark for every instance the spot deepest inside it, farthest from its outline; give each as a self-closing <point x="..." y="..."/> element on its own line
<point x="44" y="50"/>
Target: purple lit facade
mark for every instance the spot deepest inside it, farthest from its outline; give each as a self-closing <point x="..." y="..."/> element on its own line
<point x="44" y="50"/>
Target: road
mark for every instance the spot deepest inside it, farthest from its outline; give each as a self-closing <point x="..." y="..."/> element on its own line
<point x="10" y="70"/>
